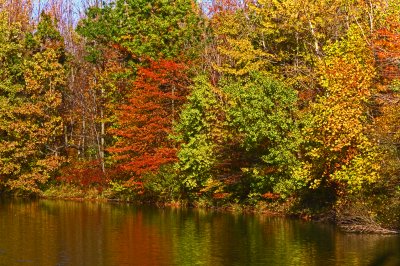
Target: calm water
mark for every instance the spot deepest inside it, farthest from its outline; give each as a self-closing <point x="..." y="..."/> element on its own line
<point x="46" y="232"/>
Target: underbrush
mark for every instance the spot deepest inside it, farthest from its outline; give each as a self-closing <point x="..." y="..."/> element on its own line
<point x="72" y="191"/>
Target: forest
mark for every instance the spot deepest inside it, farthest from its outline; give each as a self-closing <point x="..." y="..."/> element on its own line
<point x="279" y="106"/>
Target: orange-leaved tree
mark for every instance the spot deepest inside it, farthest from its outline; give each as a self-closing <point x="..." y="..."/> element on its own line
<point x="146" y="120"/>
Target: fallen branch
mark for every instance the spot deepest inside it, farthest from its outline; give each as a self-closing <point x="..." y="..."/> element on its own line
<point x="359" y="224"/>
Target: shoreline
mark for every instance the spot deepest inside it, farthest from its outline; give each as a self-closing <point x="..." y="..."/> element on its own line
<point x="345" y="220"/>
<point x="346" y="224"/>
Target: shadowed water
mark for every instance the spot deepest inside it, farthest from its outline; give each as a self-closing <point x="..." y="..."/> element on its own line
<point x="46" y="232"/>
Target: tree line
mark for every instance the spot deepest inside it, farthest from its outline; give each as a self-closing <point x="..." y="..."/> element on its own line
<point x="222" y="101"/>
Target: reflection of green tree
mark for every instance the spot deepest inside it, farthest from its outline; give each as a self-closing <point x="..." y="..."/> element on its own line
<point x="226" y="239"/>
<point x="191" y="238"/>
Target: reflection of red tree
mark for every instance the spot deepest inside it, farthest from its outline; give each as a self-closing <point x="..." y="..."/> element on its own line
<point x="147" y="119"/>
<point x="137" y="243"/>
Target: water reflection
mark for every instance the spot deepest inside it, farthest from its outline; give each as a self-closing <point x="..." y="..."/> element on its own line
<point x="47" y="232"/>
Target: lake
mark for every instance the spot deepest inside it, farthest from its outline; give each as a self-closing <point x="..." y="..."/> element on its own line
<point x="55" y="232"/>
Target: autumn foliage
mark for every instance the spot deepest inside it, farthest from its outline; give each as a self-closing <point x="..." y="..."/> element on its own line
<point x="146" y="120"/>
<point x="387" y="48"/>
<point x="83" y="173"/>
<point x="242" y="101"/>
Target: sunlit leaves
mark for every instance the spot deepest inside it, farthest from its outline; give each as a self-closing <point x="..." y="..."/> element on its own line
<point x="144" y="123"/>
<point x="339" y="150"/>
<point x="199" y="130"/>
<point x="241" y="133"/>
<point x="29" y="154"/>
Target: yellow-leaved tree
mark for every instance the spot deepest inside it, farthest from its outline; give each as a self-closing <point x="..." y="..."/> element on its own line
<point x="339" y="154"/>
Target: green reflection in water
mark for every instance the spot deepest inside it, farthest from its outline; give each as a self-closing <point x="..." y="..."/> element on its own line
<point x="45" y="232"/>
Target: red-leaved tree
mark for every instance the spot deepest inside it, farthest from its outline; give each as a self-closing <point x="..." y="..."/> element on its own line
<point x="146" y="120"/>
<point x="387" y="50"/>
